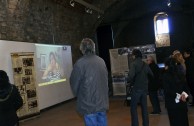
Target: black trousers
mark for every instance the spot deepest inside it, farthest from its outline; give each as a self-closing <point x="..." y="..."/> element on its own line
<point x="178" y="117"/>
<point x="191" y="86"/>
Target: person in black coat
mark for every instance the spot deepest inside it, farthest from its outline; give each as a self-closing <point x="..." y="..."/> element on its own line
<point x="10" y="101"/>
<point x="189" y="62"/>
<point x="153" y="85"/>
<point x="176" y="92"/>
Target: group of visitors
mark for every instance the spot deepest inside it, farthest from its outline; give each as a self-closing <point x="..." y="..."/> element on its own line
<point x="89" y="83"/>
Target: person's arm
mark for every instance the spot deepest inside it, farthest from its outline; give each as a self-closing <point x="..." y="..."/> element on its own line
<point x="45" y="74"/>
<point x="75" y="79"/>
<point x="131" y="74"/>
<point x="17" y="101"/>
<point x="150" y="71"/>
<point x="185" y="95"/>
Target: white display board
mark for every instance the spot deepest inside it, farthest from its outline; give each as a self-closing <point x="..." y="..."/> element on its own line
<point x="48" y="94"/>
<point x="24" y="79"/>
<point x="120" y="60"/>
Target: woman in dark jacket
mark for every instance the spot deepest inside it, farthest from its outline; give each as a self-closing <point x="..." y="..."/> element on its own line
<point x="175" y="90"/>
<point x="153" y="85"/>
<point x="10" y="101"/>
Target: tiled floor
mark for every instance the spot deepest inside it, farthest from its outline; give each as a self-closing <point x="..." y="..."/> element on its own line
<point x="118" y="115"/>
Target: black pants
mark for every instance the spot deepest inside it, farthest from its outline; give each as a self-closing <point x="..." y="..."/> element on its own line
<point x="191" y="86"/>
<point x="153" y="95"/>
<point x="178" y="117"/>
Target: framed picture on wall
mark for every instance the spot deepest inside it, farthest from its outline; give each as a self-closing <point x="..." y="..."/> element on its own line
<point x="43" y="61"/>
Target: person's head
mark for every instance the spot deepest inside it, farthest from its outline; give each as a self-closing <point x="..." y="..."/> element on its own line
<point x="187" y="53"/>
<point x="52" y="58"/>
<point x="175" y="52"/>
<point x="87" y="46"/>
<point x="150" y="59"/>
<point x="171" y="65"/>
<point x="179" y="58"/>
<point x="4" y="79"/>
<point x="136" y="53"/>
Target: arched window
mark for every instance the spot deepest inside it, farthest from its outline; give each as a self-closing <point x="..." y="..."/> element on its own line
<point x="162" y="37"/>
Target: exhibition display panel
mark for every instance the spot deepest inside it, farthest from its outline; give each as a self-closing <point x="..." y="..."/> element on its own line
<point x="120" y="60"/>
<point x="24" y="79"/>
<point x="26" y="63"/>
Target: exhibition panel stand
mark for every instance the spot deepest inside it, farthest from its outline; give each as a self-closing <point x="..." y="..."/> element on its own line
<point x="24" y="79"/>
<point x="120" y="60"/>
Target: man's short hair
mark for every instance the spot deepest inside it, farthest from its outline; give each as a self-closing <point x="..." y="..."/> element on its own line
<point x="137" y="53"/>
<point x="87" y="46"/>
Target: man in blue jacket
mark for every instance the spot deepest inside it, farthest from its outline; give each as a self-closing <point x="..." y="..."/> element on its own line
<point x="89" y="83"/>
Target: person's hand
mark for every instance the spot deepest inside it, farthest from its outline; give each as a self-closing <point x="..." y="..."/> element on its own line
<point x="183" y="98"/>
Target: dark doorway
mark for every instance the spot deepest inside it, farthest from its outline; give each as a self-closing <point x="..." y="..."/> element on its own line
<point x="105" y="42"/>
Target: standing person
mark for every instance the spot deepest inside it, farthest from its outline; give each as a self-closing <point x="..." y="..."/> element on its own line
<point x="138" y="77"/>
<point x="153" y="86"/>
<point x="89" y="83"/>
<point x="175" y="91"/>
<point x="189" y="61"/>
<point x="10" y="101"/>
<point x="180" y="60"/>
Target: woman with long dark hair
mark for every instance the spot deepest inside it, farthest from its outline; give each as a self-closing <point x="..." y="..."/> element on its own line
<point x="175" y="90"/>
<point x="10" y="101"/>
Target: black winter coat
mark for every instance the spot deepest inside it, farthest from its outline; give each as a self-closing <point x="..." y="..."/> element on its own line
<point x="174" y="84"/>
<point x="189" y="62"/>
<point x="10" y="102"/>
<point x="153" y="83"/>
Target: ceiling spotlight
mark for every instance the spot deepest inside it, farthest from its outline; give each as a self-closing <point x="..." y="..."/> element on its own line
<point x="99" y="16"/>
<point x="169" y="3"/>
<point x="72" y="3"/>
<point x="88" y="10"/>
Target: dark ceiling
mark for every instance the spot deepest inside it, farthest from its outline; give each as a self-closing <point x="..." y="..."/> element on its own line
<point x="123" y="10"/>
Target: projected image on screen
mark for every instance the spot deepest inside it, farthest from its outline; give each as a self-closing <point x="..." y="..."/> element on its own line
<point x="51" y="64"/>
<point x="53" y="70"/>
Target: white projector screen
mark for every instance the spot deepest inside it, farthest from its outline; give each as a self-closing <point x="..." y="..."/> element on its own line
<point x="49" y="92"/>
<point x="54" y="65"/>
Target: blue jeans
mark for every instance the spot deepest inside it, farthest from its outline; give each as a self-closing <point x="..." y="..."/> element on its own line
<point x="96" y="119"/>
<point x="136" y="97"/>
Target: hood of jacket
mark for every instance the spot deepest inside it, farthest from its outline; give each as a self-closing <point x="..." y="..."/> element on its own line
<point x="5" y="93"/>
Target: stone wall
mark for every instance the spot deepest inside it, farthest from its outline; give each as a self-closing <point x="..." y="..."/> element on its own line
<point x="46" y="21"/>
